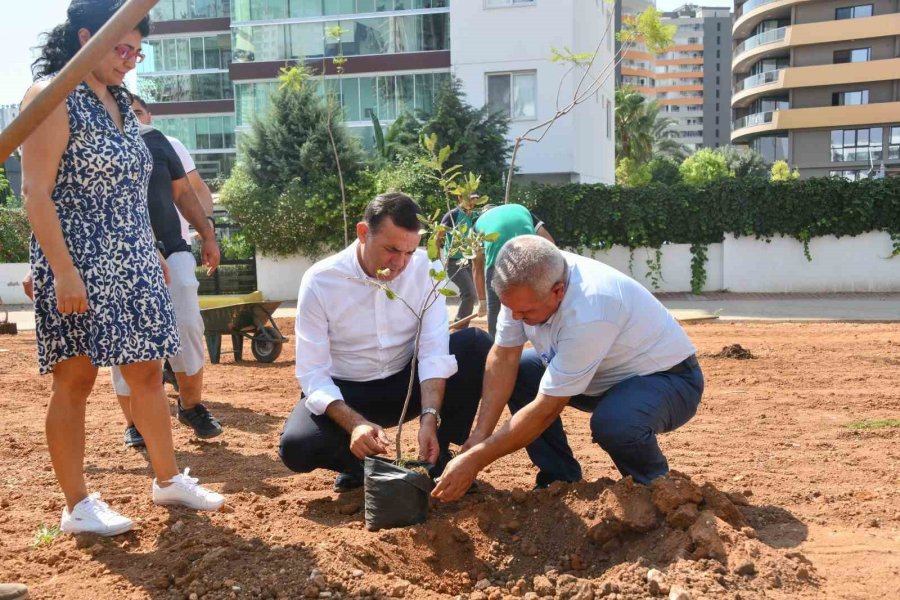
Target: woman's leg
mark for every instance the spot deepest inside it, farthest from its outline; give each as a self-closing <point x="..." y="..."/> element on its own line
<point x="150" y="411"/>
<point x="73" y="380"/>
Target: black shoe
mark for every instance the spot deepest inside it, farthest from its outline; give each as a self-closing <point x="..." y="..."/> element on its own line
<point x="346" y="482"/>
<point x="204" y="424"/>
<point x="133" y="438"/>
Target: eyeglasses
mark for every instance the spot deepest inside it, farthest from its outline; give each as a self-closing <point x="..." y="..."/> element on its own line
<point x="127" y="53"/>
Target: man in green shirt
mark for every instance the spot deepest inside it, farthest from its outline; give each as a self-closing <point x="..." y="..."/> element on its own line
<point x="508" y="220"/>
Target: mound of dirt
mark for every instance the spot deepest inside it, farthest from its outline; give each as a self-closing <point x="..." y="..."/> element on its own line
<point x="734" y="351"/>
<point x="605" y="539"/>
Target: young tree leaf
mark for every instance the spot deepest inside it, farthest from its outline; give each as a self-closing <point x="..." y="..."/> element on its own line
<point x="390" y="294"/>
<point x="448" y="293"/>
<point x="433" y="253"/>
<point x="492" y="237"/>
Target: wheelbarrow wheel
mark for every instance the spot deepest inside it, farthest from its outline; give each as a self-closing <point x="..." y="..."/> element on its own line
<point x="263" y="347"/>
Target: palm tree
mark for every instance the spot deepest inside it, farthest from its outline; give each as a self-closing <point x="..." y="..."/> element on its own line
<point x="640" y="131"/>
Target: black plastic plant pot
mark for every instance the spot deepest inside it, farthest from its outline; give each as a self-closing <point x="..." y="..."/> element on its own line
<point x="395" y="496"/>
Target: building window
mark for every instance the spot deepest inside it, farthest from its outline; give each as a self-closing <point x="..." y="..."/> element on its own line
<point x="852" y="55"/>
<point x="856" y="144"/>
<point x="186" y="54"/>
<point x="853" y="12"/>
<point x="513" y="94"/>
<point x="849" y="175"/>
<point x="850" y="98"/>
<point x="502" y="3"/>
<point x="771" y="147"/>
<point x="261" y="10"/>
<point x="719" y="26"/>
<point x="185" y="88"/>
<point x="200" y="133"/>
<point x="171" y="10"/>
<point x="894" y="144"/>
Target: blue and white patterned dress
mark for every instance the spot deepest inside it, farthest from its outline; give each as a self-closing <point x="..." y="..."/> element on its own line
<point x="101" y="200"/>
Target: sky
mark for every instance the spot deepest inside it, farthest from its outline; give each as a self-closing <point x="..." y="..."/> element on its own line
<point x="21" y="33"/>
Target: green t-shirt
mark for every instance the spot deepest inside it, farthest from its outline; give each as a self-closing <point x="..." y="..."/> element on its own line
<point x="452" y="220"/>
<point x="509" y="220"/>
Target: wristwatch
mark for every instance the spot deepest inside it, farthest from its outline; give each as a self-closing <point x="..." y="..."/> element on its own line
<point x="432" y="411"/>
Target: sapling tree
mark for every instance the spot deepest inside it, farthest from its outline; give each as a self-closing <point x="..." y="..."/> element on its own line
<point x="464" y="241"/>
<point x="646" y="29"/>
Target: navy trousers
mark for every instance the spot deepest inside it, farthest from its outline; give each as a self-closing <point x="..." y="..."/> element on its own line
<point x="625" y="420"/>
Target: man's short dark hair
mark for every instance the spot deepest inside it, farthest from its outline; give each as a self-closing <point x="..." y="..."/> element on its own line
<point x="139" y="100"/>
<point x="402" y="210"/>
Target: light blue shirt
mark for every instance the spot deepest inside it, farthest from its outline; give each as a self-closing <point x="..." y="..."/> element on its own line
<point x="607" y="328"/>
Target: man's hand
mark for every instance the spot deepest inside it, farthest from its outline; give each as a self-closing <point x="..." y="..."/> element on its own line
<point x="482" y="308"/>
<point x="428" y="441"/>
<point x="28" y="286"/>
<point x="368" y="439"/>
<point x="167" y="276"/>
<point x="210" y="255"/>
<point x="457" y="478"/>
<point x="474" y="439"/>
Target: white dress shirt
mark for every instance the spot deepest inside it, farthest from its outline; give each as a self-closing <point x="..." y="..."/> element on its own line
<point x="607" y="328"/>
<point x="348" y="329"/>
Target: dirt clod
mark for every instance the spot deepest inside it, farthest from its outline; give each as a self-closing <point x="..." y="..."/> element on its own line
<point x="735" y="351"/>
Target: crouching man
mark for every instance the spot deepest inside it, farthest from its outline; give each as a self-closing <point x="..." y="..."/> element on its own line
<point x="602" y="344"/>
<point x="355" y="347"/>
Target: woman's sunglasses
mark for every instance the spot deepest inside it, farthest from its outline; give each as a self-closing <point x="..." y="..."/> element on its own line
<point x="127" y="53"/>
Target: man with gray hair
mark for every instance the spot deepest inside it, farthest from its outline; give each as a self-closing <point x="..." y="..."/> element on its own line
<point x="602" y="344"/>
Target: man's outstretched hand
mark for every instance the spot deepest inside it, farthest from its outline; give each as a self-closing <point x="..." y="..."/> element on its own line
<point x="457" y="478"/>
<point x="368" y="439"/>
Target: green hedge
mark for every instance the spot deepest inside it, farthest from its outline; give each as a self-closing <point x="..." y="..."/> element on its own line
<point x="15" y="232"/>
<point x="601" y="216"/>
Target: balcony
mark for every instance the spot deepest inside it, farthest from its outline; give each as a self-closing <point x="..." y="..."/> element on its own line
<point x="766" y="37"/>
<point x="757" y="80"/>
<point x="752" y="12"/>
<point x="832" y="117"/>
<point x="753" y="120"/>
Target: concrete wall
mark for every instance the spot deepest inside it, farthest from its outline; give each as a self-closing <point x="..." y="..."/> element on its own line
<point x="11" y="275"/>
<point x="848" y="264"/>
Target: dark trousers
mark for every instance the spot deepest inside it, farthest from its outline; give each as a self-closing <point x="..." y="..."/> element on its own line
<point x="493" y="301"/>
<point x="625" y="420"/>
<point x="462" y="278"/>
<point x="311" y="442"/>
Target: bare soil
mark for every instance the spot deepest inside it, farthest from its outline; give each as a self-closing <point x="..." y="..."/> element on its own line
<point x="773" y="495"/>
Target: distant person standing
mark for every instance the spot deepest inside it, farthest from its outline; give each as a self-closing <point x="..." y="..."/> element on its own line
<point x="508" y="221"/>
<point x="461" y="274"/>
<point x="99" y="282"/>
<point x="169" y="196"/>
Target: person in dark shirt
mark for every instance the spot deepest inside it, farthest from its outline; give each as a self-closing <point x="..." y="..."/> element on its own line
<point x="169" y="193"/>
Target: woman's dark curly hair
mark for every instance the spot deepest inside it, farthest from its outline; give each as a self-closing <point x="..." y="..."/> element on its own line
<point x="61" y="43"/>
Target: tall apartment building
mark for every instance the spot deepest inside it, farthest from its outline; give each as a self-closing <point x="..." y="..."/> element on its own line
<point x="690" y="79"/>
<point x="817" y="83"/>
<point x="213" y="64"/>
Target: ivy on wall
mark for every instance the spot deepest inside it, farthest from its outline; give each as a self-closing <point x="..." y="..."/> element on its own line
<point x="598" y="216"/>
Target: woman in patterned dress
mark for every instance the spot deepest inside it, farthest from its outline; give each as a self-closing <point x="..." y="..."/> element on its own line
<point x="100" y="294"/>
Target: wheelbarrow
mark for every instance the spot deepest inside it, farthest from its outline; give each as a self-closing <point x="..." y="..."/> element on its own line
<point x="241" y="317"/>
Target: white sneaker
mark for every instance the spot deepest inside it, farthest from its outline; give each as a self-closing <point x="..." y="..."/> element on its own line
<point x="185" y="491"/>
<point x="92" y="515"/>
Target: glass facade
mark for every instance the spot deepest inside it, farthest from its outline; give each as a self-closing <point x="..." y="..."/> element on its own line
<point x="169" y="10"/>
<point x="264" y="10"/>
<point x="185" y="88"/>
<point x="186" y="54"/>
<point x="364" y="36"/>
<point x="200" y="133"/>
<point x="894" y="144"/>
<point x="385" y="96"/>
<point x="771" y="147"/>
<point x="856" y="144"/>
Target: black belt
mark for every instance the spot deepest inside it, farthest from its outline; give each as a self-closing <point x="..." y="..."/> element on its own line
<point x="686" y="365"/>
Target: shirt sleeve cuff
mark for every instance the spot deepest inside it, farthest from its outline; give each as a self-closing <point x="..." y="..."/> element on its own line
<point x="437" y="367"/>
<point x="318" y="401"/>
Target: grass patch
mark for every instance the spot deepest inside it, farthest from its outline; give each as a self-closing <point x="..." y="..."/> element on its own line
<point x="44" y="535"/>
<point x="874" y="424"/>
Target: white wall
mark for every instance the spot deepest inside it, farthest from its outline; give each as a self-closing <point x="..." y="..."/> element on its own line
<point x="521" y="38"/>
<point x="11" y="275"/>
<point x="279" y="278"/>
<point x="846" y="264"/>
<point x="858" y="264"/>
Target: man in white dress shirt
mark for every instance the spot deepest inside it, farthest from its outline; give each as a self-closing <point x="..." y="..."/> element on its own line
<point x="602" y="344"/>
<point x="355" y="346"/>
